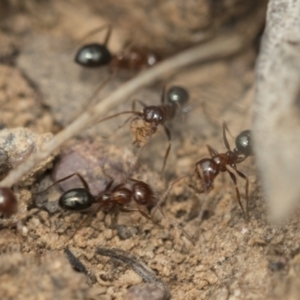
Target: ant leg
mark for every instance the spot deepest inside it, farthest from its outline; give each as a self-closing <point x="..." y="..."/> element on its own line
<point x="99" y="88"/>
<point x="233" y="178"/>
<point x="114" y="218"/>
<point x="212" y="151"/>
<point x="176" y="225"/>
<point x="225" y="128"/>
<point x="206" y="114"/>
<point x="164" y="196"/>
<point x="88" y="217"/>
<point x="168" y="134"/>
<point x="116" y="115"/>
<point x="65" y="178"/>
<point x="163" y="95"/>
<point x="108" y="186"/>
<point x="99" y="29"/>
<point x="126" y="209"/>
<point x="246" y="188"/>
<point x="133" y="109"/>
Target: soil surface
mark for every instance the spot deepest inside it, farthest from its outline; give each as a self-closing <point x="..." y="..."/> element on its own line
<point x="223" y="255"/>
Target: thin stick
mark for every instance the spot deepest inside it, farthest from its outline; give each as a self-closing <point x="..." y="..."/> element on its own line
<point x="220" y="47"/>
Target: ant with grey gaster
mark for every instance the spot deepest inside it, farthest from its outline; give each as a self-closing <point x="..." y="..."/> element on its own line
<point x="207" y="169"/>
<point x="145" y="124"/>
<point x="97" y="55"/>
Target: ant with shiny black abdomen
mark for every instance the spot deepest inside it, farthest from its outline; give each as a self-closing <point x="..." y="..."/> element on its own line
<point x="113" y="199"/>
<point x="154" y="115"/>
<point x="97" y="55"/>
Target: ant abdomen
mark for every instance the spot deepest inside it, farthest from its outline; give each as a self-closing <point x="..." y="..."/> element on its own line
<point x="8" y="202"/>
<point x="144" y="195"/>
<point x="177" y="95"/>
<point x="209" y="169"/>
<point x="243" y="143"/>
<point x="93" y="56"/>
<point x="76" y="199"/>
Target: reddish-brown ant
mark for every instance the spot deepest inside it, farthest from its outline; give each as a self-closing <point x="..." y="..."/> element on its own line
<point x="207" y="169"/>
<point x="98" y="55"/>
<point x="154" y="115"/>
<point x="8" y="202"/>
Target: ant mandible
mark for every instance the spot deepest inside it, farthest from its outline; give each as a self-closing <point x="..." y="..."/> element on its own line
<point x="8" y="202"/>
<point x="155" y="115"/>
<point x="207" y="169"/>
<point x="98" y="55"/>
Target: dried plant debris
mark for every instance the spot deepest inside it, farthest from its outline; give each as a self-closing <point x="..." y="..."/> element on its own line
<point x="156" y="290"/>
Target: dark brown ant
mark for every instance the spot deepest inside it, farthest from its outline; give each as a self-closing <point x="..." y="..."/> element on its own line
<point x="155" y="115"/>
<point x="207" y="169"/>
<point x="97" y="55"/>
<point x="8" y="202"/>
<point x="113" y="199"/>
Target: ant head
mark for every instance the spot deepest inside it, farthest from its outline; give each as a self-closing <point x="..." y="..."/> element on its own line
<point x="243" y="143"/>
<point x="177" y="94"/>
<point x="93" y="55"/>
<point x="153" y="114"/>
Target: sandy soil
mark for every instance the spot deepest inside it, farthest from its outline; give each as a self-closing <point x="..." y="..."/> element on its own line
<point x="43" y="90"/>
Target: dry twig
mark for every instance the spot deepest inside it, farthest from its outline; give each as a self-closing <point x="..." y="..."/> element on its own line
<point x="220" y="47"/>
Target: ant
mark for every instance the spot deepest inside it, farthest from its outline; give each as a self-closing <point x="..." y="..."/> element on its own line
<point x="112" y="199"/>
<point x="207" y="169"/>
<point x="154" y="115"/>
<point x="8" y="202"/>
<point x="98" y="55"/>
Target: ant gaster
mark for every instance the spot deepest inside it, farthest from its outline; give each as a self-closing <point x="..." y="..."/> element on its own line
<point x="207" y="169"/>
<point x="8" y="202"/>
<point x="155" y="115"/>
<point x="98" y="55"/>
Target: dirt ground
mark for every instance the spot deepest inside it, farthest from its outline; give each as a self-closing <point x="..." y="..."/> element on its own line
<point x="42" y="90"/>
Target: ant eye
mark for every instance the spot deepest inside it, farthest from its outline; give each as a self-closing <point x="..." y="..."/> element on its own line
<point x="243" y="142"/>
